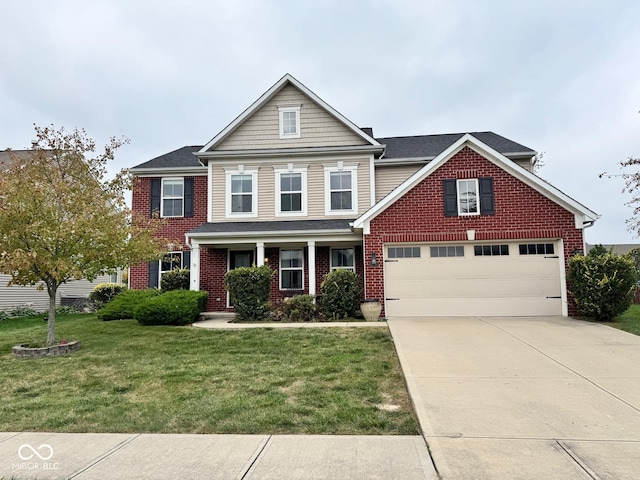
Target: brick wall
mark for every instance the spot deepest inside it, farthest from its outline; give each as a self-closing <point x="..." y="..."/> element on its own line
<point x="174" y="228"/>
<point x="418" y="216"/>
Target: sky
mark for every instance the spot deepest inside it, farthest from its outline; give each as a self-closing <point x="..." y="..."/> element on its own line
<point x="561" y="77"/>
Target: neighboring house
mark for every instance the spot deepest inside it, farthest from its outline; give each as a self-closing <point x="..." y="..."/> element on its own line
<point x="619" y="248"/>
<point x="454" y="224"/>
<point x="29" y="296"/>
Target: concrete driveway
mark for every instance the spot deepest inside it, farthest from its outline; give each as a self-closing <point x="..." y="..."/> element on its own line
<point x="524" y="398"/>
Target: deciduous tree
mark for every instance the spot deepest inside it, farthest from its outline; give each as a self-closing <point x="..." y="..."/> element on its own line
<point x="62" y="218"/>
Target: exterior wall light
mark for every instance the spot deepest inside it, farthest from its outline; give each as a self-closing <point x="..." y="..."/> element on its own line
<point x="374" y="260"/>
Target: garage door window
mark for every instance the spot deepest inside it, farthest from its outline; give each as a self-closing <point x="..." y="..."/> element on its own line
<point x="490" y="250"/>
<point x="448" y="251"/>
<point x="404" y="252"/>
<point x="536" y="249"/>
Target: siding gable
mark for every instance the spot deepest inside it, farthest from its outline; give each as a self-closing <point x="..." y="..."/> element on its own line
<point x="318" y="128"/>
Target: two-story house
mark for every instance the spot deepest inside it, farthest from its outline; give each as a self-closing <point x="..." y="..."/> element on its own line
<point x="454" y="224"/>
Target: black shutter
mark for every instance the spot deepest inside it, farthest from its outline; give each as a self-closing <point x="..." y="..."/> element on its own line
<point x="153" y="274"/>
<point x="186" y="259"/>
<point x="188" y="197"/>
<point x="155" y="196"/>
<point x="450" y="198"/>
<point x="487" y="204"/>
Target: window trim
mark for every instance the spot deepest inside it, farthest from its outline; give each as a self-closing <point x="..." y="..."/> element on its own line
<point x="477" y="195"/>
<point x="328" y="170"/>
<point x="282" y="109"/>
<point x="302" y="170"/>
<point x="229" y="173"/>
<point x="332" y="267"/>
<point x="163" y="198"/>
<point x="281" y="268"/>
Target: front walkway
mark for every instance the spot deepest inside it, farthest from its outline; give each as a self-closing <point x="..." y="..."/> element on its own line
<point x="524" y="398"/>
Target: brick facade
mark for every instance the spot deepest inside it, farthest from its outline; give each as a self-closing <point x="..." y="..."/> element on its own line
<point x="520" y="213"/>
<point x="174" y="228"/>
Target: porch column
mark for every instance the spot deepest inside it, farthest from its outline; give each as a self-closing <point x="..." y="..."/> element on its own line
<point x="260" y="253"/>
<point x="194" y="275"/>
<point x="312" y="267"/>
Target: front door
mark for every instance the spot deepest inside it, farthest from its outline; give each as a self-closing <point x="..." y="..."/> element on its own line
<point x="239" y="258"/>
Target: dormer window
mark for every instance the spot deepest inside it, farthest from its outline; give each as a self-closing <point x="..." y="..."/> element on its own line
<point x="289" y="121"/>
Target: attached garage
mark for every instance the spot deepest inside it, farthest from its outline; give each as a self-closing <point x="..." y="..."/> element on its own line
<point x="500" y="278"/>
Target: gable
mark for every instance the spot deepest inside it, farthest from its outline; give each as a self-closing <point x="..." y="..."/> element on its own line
<point x="468" y="143"/>
<point x="518" y="207"/>
<point x="318" y="128"/>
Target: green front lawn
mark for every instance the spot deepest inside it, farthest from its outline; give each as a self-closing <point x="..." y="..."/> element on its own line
<point x="629" y="321"/>
<point x="130" y="378"/>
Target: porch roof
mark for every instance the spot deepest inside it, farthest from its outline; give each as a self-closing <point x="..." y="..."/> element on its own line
<point x="279" y="227"/>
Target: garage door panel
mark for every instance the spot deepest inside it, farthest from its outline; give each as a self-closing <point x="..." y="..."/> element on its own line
<point x="473" y="285"/>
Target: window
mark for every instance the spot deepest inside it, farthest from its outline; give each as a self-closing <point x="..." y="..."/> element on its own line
<point x="242" y="188"/>
<point x="170" y="261"/>
<point x="291" y="269"/>
<point x="468" y="197"/>
<point x="490" y="250"/>
<point x="341" y="190"/>
<point x="289" y="121"/>
<point x="468" y="201"/>
<point x="403" y="252"/>
<point x="343" y="258"/>
<point x="536" y="249"/>
<point x="172" y="197"/>
<point x="291" y="186"/>
<point x="447" y="251"/>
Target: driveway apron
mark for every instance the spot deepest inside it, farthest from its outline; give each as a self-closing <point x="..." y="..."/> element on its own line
<point x="524" y="398"/>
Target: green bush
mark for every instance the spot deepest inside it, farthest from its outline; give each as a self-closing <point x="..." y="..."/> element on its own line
<point x="124" y="305"/>
<point x="22" y="312"/>
<point x="249" y="292"/>
<point x="178" y="307"/>
<point x="176" y="279"/>
<point x="103" y="293"/>
<point x="340" y="293"/>
<point x="602" y="285"/>
<point x="66" y="310"/>
<point x="4" y="316"/>
<point x="299" y="308"/>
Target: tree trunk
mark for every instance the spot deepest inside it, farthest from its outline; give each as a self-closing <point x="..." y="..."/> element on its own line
<point x="52" y="289"/>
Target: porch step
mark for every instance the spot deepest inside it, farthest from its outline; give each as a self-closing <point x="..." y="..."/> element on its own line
<point x="221" y="316"/>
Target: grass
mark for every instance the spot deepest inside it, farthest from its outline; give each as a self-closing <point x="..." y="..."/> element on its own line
<point x="629" y="321"/>
<point x="129" y="378"/>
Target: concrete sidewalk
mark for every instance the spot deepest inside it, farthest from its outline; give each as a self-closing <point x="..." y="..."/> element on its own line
<point x="225" y="324"/>
<point x="524" y="398"/>
<point x="85" y="456"/>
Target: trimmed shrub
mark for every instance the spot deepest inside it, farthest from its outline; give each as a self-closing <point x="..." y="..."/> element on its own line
<point x="249" y="292"/>
<point x="124" y="305"/>
<point x="299" y="308"/>
<point x="340" y="293"/>
<point x="103" y="293"/>
<point x="603" y="284"/>
<point x="176" y="279"/>
<point x="178" y="307"/>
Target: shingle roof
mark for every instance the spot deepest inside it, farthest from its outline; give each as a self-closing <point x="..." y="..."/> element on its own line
<point x="421" y="146"/>
<point x="432" y="145"/>
<point x="277" y="226"/>
<point x="182" y="157"/>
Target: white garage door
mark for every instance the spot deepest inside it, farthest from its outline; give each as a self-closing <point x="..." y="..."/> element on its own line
<point x="497" y="279"/>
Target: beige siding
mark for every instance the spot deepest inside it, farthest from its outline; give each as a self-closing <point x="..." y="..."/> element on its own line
<point x="267" y="188"/>
<point x="317" y="127"/>
<point x="16" y="296"/>
<point x="389" y="177"/>
<point x="525" y="164"/>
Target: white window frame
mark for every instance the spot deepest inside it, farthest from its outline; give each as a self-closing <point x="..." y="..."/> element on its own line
<point x="459" y="198"/>
<point x="173" y="197"/>
<point x="229" y="173"/>
<point x="282" y="109"/>
<point x="162" y="272"/>
<point x="333" y="267"/>
<point x="328" y="170"/>
<point x="279" y="171"/>
<point x="288" y="269"/>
